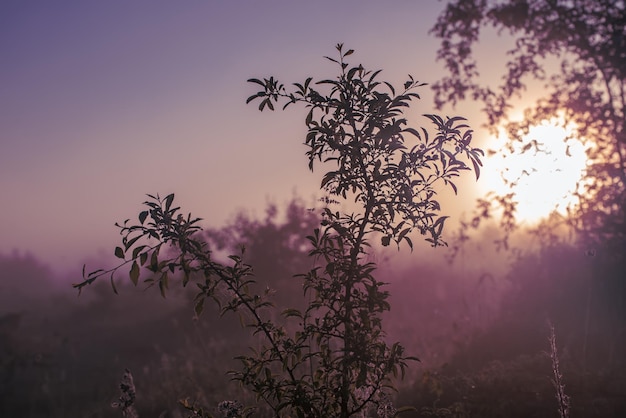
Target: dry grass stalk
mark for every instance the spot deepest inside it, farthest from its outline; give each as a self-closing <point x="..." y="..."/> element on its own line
<point x="557" y="381"/>
<point x="127" y="396"/>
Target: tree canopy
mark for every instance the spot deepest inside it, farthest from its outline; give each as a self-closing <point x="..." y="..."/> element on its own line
<point x="585" y="91"/>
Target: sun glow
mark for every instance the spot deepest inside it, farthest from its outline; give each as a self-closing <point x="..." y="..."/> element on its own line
<point x="542" y="171"/>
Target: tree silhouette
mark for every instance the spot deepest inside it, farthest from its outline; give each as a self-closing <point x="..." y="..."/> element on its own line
<point x="588" y="39"/>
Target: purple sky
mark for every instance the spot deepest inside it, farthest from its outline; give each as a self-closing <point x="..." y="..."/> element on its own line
<point x="102" y="102"/>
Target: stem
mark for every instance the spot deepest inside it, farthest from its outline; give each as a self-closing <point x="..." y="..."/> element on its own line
<point x="354" y="257"/>
<point x="259" y="323"/>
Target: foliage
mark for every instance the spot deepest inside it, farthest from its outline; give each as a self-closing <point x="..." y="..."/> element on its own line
<point x="67" y="354"/>
<point x="586" y="91"/>
<point x="337" y="362"/>
<point x="509" y="368"/>
<point x="281" y="235"/>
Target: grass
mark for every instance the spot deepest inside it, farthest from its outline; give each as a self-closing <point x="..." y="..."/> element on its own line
<point x="557" y="381"/>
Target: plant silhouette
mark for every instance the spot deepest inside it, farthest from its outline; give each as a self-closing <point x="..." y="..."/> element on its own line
<point x="329" y="359"/>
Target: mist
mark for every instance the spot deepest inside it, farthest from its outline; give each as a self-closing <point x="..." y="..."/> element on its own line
<point x="479" y="326"/>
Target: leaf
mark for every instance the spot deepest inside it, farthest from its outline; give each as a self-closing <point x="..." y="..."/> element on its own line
<point x="137" y="250"/>
<point x="332" y="82"/>
<point x="408" y="241"/>
<point x="330" y="269"/>
<point x="403" y="233"/>
<point x="438" y="225"/>
<point x="300" y="87"/>
<point x="351" y="73"/>
<point x="392" y="214"/>
<point x="405" y="409"/>
<point x="257" y="81"/>
<point x="385" y="240"/>
<point x="308" y="120"/>
<point x="393" y="91"/>
<point x="142" y="216"/>
<point x="113" y="285"/>
<point x="254" y="96"/>
<point x="453" y="187"/>
<point x="119" y="253"/>
<point x="134" y="273"/>
<point x="163" y="283"/>
<point x="130" y="243"/>
<point x="199" y="306"/>
<point x="168" y="201"/>
<point x="291" y="312"/>
<point x="373" y="76"/>
<point x="185" y="276"/>
<point x="450" y="121"/>
<point x="328" y="178"/>
<point x="349" y="52"/>
<point x="476" y="164"/>
<point x="437" y="120"/>
<point x="154" y="262"/>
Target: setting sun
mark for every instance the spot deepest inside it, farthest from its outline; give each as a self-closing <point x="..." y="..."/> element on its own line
<point x="542" y="172"/>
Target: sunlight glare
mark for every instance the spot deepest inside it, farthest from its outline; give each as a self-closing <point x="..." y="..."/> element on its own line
<point x="544" y="177"/>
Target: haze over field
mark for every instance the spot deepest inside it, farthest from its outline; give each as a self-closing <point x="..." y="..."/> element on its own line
<point x="103" y="102"/>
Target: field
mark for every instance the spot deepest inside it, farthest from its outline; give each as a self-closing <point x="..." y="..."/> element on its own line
<point x="483" y="339"/>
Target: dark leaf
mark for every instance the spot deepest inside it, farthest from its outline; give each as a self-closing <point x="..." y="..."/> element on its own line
<point x="163" y="283"/>
<point x="154" y="262"/>
<point x="252" y="80"/>
<point x="477" y="165"/>
<point x="113" y="285"/>
<point x="134" y="273"/>
<point x="130" y="243"/>
<point x="137" y="250"/>
<point x="254" y="96"/>
<point x="199" y="306"/>
<point x="168" y="201"/>
<point x="408" y="241"/>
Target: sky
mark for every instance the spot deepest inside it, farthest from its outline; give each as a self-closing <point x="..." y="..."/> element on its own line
<point x="104" y="102"/>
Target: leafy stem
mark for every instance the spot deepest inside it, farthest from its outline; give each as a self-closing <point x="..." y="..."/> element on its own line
<point x="330" y="359"/>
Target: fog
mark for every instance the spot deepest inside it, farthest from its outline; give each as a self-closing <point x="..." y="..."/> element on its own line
<point x="479" y="326"/>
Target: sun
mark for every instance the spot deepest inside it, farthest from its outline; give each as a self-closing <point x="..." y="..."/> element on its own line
<point x="543" y="171"/>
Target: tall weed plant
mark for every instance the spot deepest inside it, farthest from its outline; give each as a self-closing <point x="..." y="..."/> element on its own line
<point x="330" y="359"/>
